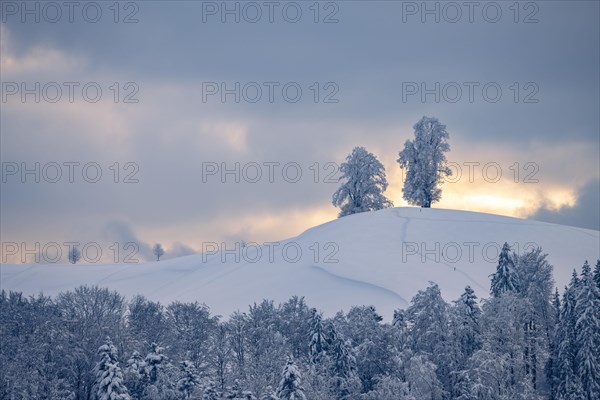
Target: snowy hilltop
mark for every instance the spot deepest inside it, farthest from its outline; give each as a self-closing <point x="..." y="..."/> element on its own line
<point x="379" y="258"/>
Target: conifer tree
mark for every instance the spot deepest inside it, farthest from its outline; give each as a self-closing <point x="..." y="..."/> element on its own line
<point x="290" y="387"/>
<point x="597" y="274"/>
<point x="109" y="377"/>
<point x="505" y="278"/>
<point x="569" y="383"/>
<point x="552" y="366"/>
<point x="317" y="336"/>
<point x="154" y="362"/>
<point x="189" y="379"/>
<point x="210" y="392"/>
<point x="587" y="328"/>
<point x="468" y="316"/>
<point x="269" y="394"/>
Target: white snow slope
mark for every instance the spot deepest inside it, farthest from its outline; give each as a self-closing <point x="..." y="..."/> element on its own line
<point x="379" y="258"/>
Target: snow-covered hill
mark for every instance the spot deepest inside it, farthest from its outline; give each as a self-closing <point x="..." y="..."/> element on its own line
<point x="380" y="258"/>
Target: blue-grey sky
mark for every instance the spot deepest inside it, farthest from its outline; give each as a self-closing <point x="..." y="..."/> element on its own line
<point x="371" y="62"/>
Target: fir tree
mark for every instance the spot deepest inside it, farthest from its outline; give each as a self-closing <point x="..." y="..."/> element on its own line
<point x="552" y="366"/>
<point x="236" y="393"/>
<point x="556" y="306"/>
<point x="135" y="375"/>
<point x="597" y="274"/>
<point x="189" y="379"/>
<point x="136" y="364"/>
<point x="317" y="336"/>
<point x="399" y="319"/>
<point x="109" y="377"/>
<point x="342" y="362"/>
<point x="586" y="272"/>
<point x="269" y="394"/>
<point x="331" y="334"/>
<point x="505" y="278"/>
<point x="345" y="379"/>
<point x="587" y="328"/>
<point x="468" y="314"/>
<point x="364" y="186"/>
<point x="154" y="362"/>
<point x="290" y="385"/>
<point x="569" y="383"/>
<point x="574" y="283"/>
<point x="210" y="392"/>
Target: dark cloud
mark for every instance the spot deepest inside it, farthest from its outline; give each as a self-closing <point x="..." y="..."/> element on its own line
<point x="368" y="54"/>
<point x="170" y="43"/>
<point x="585" y="213"/>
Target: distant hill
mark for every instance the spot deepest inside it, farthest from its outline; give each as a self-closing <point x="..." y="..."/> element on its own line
<point x="379" y="258"/>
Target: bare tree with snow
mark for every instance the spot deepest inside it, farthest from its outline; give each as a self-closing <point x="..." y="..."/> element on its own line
<point x="364" y="186"/>
<point x="74" y="255"/>
<point x="425" y="162"/>
<point x="158" y="251"/>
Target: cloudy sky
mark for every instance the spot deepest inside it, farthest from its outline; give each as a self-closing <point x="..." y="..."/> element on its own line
<point x="162" y="97"/>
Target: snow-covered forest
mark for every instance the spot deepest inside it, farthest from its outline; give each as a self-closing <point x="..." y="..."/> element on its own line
<point x="526" y="341"/>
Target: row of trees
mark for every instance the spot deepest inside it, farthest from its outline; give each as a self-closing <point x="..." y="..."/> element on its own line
<point x="524" y="342"/>
<point x="423" y="158"/>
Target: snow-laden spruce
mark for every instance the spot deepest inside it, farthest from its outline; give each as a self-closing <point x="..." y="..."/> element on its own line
<point x="154" y="362"/>
<point x="576" y="364"/>
<point x="317" y="336"/>
<point x="425" y="162"/>
<point x="189" y="379"/>
<point x="587" y="330"/>
<point x="466" y="317"/>
<point x="505" y="278"/>
<point x="109" y="377"/>
<point x="364" y="186"/>
<point x="290" y="387"/>
<point x="568" y="382"/>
